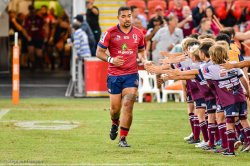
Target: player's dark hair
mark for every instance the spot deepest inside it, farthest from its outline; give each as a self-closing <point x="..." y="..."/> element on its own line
<point x="194" y="35"/>
<point x="123" y="8"/>
<point x="223" y="37"/>
<point x="204" y="47"/>
<point x="229" y="31"/>
<point x="133" y="8"/>
<point x="206" y="36"/>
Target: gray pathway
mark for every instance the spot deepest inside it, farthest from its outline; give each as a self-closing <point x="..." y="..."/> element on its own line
<point x="36" y="84"/>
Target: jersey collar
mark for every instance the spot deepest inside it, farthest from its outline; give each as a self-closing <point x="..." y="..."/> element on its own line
<point x="118" y="26"/>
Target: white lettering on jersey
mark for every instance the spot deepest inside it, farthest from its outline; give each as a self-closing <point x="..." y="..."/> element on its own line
<point x="126" y="52"/>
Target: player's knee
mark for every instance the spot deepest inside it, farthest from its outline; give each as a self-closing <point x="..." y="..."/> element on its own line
<point x="220" y="117"/>
<point x="115" y="108"/>
<point x="128" y="100"/>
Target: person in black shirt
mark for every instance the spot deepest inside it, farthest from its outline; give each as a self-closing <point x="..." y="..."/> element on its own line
<point x="93" y="19"/>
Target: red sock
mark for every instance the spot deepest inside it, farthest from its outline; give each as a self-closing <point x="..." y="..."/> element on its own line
<point x="238" y="128"/>
<point x="115" y="121"/>
<point x="203" y="126"/>
<point x="211" y="133"/>
<point x="196" y="128"/>
<point x="230" y="140"/>
<point x="217" y="133"/>
<point x="123" y="132"/>
<point x="222" y="131"/>
<point x="247" y="135"/>
<point x="191" y="120"/>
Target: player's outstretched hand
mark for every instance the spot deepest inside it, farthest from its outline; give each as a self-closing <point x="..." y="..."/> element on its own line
<point x="118" y="61"/>
<point x="227" y="65"/>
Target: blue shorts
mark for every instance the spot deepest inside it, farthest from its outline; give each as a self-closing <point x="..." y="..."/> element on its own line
<point x="200" y="103"/>
<point x="117" y="83"/>
<point x="219" y="109"/>
<point x="189" y="98"/>
<point x="211" y="106"/>
<point x="238" y="109"/>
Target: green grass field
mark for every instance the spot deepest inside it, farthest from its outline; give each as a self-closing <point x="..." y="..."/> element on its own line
<point x="156" y="136"/>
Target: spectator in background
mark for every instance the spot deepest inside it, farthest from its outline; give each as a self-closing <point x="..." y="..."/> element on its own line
<point x="59" y="37"/>
<point x="177" y="9"/>
<point x="93" y="19"/>
<point x="199" y="11"/>
<point x="16" y="25"/>
<point x="91" y="38"/>
<point x="166" y="38"/>
<point x="209" y="14"/>
<point x="49" y="23"/>
<point x="135" y="14"/>
<point x="229" y="13"/>
<point x="81" y="44"/>
<point x="159" y="12"/>
<point x="138" y="24"/>
<point x="245" y="19"/>
<point x="34" y="25"/>
<point x="157" y="24"/>
<point x="186" y="22"/>
<point x="204" y="27"/>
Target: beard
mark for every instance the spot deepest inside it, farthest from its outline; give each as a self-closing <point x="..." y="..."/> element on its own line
<point x="127" y="24"/>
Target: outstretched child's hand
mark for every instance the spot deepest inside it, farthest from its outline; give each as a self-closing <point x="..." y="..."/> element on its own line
<point x="153" y="69"/>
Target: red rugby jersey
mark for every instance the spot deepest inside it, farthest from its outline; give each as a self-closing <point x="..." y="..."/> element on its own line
<point x="122" y="44"/>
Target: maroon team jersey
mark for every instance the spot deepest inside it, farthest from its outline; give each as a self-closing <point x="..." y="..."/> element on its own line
<point x="34" y="27"/>
<point x="122" y="44"/>
<point x="226" y="83"/>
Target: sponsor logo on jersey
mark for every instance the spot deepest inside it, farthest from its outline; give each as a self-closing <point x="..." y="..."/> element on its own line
<point x="136" y="82"/>
<point x="124" y="46"/>
<point x="125" y="50"/>
<point x="223" y="73"/>
<point x="103" y="37"/>
<point x="126" y="37"/>
<point x="205" y="70"/>
<point x="118" y="37"/>
<point x="135" y="37"/>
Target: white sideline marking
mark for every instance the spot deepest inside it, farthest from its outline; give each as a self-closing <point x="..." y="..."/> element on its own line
<point x="3" y="112"/>
<point x="41" y="125"/>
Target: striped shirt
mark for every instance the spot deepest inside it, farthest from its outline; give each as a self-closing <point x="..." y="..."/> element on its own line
<point x="81" y="43"/>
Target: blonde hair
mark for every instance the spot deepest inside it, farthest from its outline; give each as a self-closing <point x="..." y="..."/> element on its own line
<point x="194" y="51"/>
<point x="223" y="43"/>
<point x="207" y="40"/>
<point x="218" y="54"/>
<point x="186" y="42"/>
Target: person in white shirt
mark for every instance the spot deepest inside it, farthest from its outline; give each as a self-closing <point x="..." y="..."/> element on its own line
<point x="166" y="38"/>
